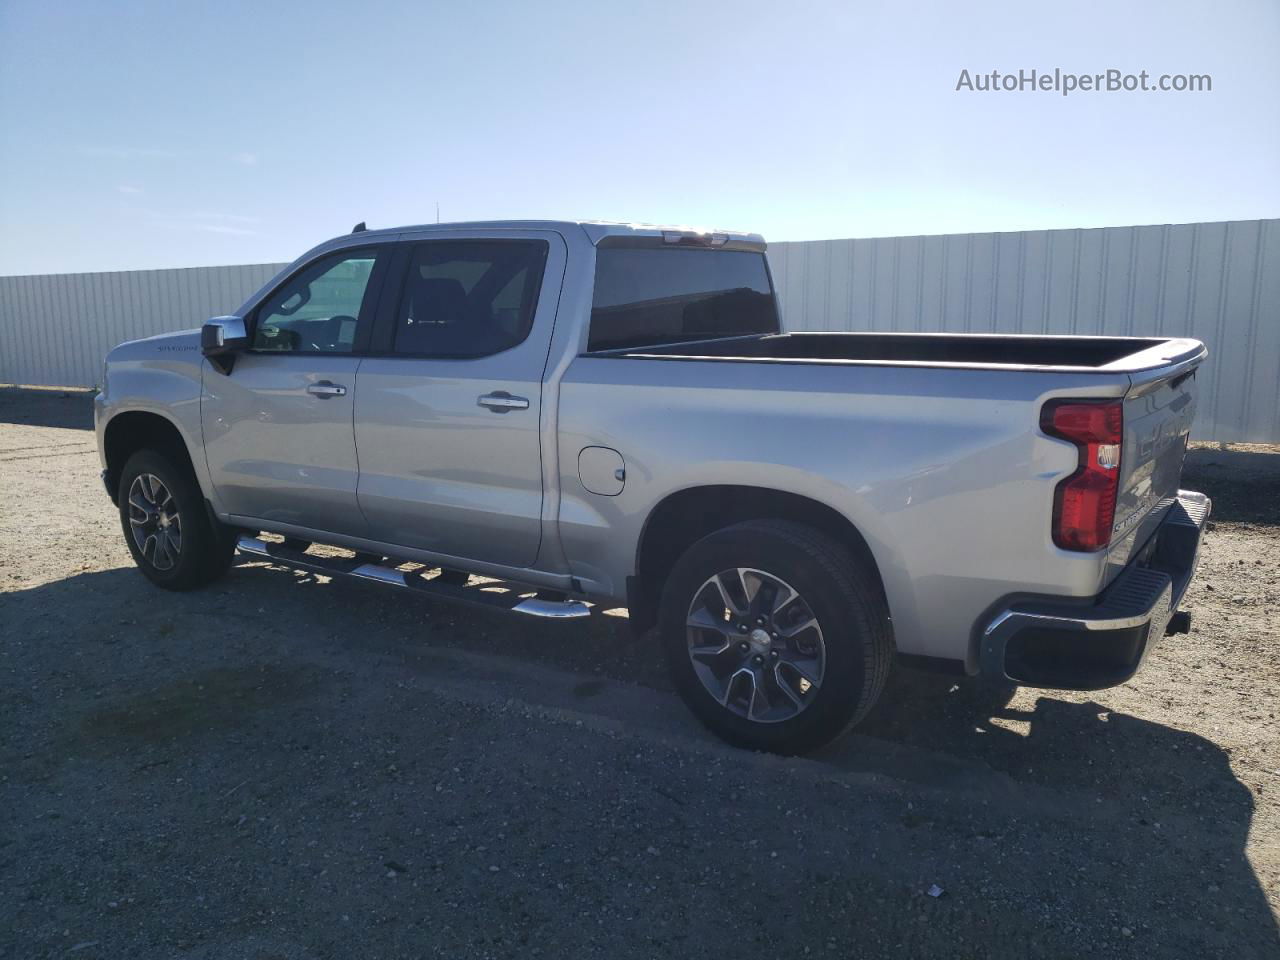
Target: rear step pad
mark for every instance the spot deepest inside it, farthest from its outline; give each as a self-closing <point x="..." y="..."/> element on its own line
<point x="358" y="568"/>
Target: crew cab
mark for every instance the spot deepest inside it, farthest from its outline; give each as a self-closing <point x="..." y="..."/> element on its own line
<point x="594" y="414"/>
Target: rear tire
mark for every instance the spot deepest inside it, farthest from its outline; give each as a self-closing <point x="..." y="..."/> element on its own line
<point x="791" y="608"/>
<point x="171" y="535"/>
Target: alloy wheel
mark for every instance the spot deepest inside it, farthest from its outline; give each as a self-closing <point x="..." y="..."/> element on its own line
<point x="755" y="644"/>
<point x="154" y="521"/>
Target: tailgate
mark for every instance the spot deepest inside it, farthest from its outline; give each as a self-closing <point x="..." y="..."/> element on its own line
<point x="1158" y="410"/>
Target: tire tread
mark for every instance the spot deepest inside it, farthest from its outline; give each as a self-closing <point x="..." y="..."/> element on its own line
<point x="878" y="652"/>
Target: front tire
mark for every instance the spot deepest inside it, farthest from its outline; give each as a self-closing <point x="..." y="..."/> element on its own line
<point x="173" y="539"/>
<point x="775" y="636"/>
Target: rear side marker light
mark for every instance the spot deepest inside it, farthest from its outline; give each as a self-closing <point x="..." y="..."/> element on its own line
<point x="1084" y="504"/>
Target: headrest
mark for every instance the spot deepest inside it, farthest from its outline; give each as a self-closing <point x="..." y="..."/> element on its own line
<point x="438" y="300"/>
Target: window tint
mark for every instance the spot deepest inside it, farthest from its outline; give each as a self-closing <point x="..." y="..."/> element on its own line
<point x="469" y="298"/>
<point x="318" y="310"/>
<point x="651" y="295"/>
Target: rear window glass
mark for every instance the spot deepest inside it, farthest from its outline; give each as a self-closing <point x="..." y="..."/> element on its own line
<point x="651" y="295"/>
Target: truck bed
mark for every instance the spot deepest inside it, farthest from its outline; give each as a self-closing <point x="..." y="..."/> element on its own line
<point x="1122" y="354"/>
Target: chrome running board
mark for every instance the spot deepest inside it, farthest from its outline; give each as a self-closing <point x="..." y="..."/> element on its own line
<point x="497" y="595"/>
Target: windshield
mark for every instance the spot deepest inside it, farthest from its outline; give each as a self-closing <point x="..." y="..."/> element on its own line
<point x="651" y="295"/>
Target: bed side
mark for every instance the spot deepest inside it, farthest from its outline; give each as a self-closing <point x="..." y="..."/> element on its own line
<point x="944" y="472"/>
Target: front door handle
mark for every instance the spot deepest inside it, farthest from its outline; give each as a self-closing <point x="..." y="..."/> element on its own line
<point x="501" y="402"/>
<point x="326" y="389"/>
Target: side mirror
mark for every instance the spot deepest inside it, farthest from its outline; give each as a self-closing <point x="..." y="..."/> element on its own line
<point x="220" y="338"/>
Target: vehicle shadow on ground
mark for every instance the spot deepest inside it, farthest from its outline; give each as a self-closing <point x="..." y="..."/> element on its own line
<point x="1165" y="802"/>
<point x="72" y="408"/>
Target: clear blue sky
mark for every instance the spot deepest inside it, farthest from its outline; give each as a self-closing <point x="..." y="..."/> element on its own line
<point x="178" y="134"/>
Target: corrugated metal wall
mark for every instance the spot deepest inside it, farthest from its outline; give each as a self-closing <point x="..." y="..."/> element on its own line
<point x="1218" y="282"/>
<point x="55" y="329"/>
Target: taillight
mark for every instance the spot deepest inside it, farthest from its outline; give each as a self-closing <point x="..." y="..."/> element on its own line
<point x="1084" y="504"/>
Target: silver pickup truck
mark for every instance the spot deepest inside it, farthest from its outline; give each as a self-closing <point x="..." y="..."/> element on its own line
<point x="551" y="416"/>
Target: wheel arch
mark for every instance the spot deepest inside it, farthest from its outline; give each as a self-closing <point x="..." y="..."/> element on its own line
<point x="682" y="518"/>
<point x="132" y="430"/>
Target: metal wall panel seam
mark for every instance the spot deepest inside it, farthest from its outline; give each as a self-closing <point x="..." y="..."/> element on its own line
<point x="1224" y="280"/>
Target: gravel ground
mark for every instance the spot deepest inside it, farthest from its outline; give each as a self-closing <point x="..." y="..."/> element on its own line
<point x="280" y="767"/>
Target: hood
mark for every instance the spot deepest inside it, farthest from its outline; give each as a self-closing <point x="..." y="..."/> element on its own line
<point x="182" y="345"/>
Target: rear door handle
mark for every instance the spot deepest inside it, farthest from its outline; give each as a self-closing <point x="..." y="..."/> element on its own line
<point x="501" y="402"/>
<point x="326" y="389"/>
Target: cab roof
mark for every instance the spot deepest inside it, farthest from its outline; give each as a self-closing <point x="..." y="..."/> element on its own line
<point x="596" y="230"/>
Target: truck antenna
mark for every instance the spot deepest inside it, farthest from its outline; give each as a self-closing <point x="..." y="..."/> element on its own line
<point x="359" y="227"/>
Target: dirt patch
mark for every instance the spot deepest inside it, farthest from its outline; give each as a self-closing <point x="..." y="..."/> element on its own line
<point x="216" y="699"/>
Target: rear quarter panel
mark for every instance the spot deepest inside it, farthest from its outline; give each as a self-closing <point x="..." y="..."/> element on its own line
<point x="943" y="471"/>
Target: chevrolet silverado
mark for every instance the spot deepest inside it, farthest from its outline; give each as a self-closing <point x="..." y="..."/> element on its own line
<point x="551" y="417"/>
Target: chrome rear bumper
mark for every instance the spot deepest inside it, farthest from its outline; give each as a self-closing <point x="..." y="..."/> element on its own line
<point x="1064" y="644"/>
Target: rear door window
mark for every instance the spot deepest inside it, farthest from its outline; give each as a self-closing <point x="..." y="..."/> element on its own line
<point x="652" y="295"/>
<point x="469" y="298"/>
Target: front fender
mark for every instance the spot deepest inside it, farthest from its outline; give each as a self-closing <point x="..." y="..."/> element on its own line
<point x="160" y="376"/>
